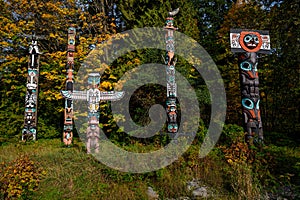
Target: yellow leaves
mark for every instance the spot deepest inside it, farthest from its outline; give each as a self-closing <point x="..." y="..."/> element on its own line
<point x="106" y="85"/>
<point x="112" y="77"/>
<point x="137" y="61"/>
<point x="58" y="96"/>
<point x="52" y="95"/>
<point x="112" y="24"/>
<point x="82" y="40"/>
<point x="10" y="27"/>
<point x="21" y="23"/>
<point x="82" y="17"/>
<point x="85" y="25"/>
<point x="4" y="43"/>
<point x="51" y="35"/>
<point x="47" y="16"/>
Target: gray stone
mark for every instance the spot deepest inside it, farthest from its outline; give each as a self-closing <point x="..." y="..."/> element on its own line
<point x="200" y="192"/>
<point x="151" y="193"/>
<point x="191" y="185"/>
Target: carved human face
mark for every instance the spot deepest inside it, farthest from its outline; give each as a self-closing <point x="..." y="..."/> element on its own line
<point x="250" y="41"/>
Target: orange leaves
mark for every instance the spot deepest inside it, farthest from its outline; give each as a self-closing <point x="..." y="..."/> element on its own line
<point x="238" y="153"/>
<point x="19" y="177"/>
<point x="47" y="16"/>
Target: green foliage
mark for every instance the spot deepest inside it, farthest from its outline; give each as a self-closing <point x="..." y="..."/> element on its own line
<point x="231" y="133"/>
<point x="19" y="178"/>
<point x="210" y="15"/>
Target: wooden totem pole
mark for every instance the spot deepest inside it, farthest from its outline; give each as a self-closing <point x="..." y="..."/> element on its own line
<point x="170" y="61"/>
<point x="249" y="43"/>
<point x="30" y="119"/>
<point x="68" y="114"/>
<point x="93" y="95"/>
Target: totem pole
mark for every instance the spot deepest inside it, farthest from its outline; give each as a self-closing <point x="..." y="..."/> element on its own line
<point x="30" y="119"/>
<point x="170" y="61"/>
<point x="248" y="43"/>
<point x="68" y="114"/>
<point x="93" y="95"/>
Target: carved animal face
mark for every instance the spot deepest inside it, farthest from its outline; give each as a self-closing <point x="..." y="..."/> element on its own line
<point x="249" y="68"/>
<point x="251" y="108"/>
<point x="172" y="128"/>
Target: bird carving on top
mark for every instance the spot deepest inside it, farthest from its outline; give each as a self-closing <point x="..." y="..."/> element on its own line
<point x="174" y="12"/>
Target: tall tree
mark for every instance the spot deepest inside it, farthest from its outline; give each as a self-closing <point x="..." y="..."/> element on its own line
<point x="210" y="15"/>
<point x="282" y="75"/>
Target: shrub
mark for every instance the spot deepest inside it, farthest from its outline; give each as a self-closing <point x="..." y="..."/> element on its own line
<point x="230" y="134"/>
<point x="19" y="178"/>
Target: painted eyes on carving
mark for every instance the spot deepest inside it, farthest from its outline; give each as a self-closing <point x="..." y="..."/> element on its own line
<point x="71" y="41"/>
<point x="251" y="37"/>
<point x="247" y="66"/>
<point x="249" y="104"/>
<point x="251" y="41"/>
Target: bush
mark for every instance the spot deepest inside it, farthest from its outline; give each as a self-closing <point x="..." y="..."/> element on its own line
<point x="19" y="178"/>
<point x="231" y="133"/>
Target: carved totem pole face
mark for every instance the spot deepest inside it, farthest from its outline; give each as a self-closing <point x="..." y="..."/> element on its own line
<point x="248" y="66"/>
<point x="251" y="109"/>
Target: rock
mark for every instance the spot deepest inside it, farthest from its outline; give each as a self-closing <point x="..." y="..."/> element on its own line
<point x="192" y="185"/>
<point x="180" y="198"/>
<point x="151" y="193"/>
<point x="200" y="192"/>
<point x="184" y="198"/>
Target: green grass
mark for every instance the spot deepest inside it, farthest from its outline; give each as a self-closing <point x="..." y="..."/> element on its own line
<point x="72" y="174"/>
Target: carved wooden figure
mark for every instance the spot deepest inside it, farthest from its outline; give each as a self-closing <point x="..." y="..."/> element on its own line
<point x="248" y="43"/>
<point x="68" y="114"/>
<point x="93" y="95"/>
<point x="170" y="62"/>
<point x="30" y="117"/>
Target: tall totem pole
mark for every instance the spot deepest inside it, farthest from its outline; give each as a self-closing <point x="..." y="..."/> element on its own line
<point x="68" y="114"/>
<point x="248" y="43"/>
<point x="170" y="62"/>
<point x="30" y="119"/>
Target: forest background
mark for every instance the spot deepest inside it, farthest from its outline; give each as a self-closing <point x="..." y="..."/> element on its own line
<point x="207" y="22"/>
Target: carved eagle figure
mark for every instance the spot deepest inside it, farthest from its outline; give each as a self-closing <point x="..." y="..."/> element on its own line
<point x="174" y="12"/>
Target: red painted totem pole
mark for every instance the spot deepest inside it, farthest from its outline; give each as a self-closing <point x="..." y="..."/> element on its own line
<point x="68" y="114"/>
<point x="248" y="43"/>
